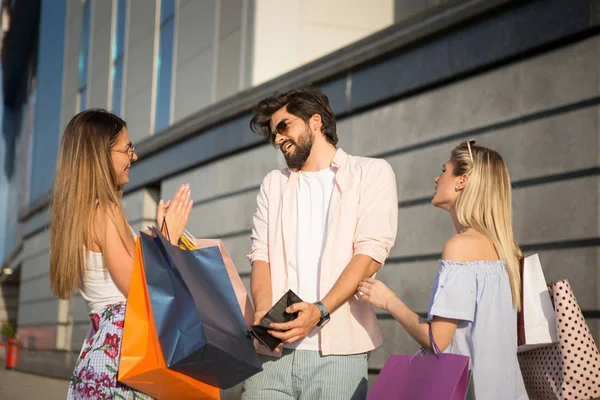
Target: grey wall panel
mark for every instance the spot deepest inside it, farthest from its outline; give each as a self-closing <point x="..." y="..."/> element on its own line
<point x="246" y="282"/>
<point x="560" y="77"/>
<point x="422" y="229"/>
<point x="396" y="341"/>
<point x="40" y="313"/>
<point x="231" y="17"/>
<point x="227" y="175"/>
<point x="71" y="71"/>
<point x="78" y="309"/>
<point x="194" y="84"/>
<point x="138" y="111"/>
<point x="229" y="57"/>
<point x="227" y="216"/>
<point x="37" y="222"/>
<point x="71" y="84"/>
<point x="140" y="205"/>
<point x="73" y="29"/>
<point x="228" y="65"/>
<point x="142" y="19"/>
<point x="100" y="58"/>
<point x="140" y="66"/>
<point x="579" y="266"/>
<point x="79" y="333"/>
<point x="140" y="59"/>
<point x="36" y="244"/>
<point x="36" y="266"/>
<point x="411" y="281"/>
<point x="196" y="29"/>
<point x="238" y="248"/>
<point x="102" y="13"/>
<point x="548" y="213"/>
<point x="35" y="289"/>
<point x="195" y="54"/>
<point x="98" y="93"/>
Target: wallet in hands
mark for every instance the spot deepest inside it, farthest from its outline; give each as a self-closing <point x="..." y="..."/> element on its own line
<point x="276" y="314"/>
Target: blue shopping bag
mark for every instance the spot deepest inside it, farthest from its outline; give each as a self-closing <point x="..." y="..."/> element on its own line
<point x="201" y="329"/>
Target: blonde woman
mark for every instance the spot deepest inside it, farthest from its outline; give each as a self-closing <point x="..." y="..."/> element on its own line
<point x="92" y="246"/>
<point x="476" y="294"/>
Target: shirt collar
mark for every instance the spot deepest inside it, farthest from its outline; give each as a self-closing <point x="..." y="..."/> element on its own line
<point x="340" y="160"/>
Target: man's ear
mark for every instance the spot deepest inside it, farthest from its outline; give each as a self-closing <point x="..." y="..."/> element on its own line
<point x="315" y="123"/>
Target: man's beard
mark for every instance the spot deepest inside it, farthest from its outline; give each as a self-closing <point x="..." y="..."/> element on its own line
<point x="300" y="152"/>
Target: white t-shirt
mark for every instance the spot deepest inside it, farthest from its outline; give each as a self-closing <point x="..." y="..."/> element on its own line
<point x="313" y="198"/>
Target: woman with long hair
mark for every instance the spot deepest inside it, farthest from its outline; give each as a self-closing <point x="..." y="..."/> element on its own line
<point x="92" y="246"/>
<point x="476" y="295"/>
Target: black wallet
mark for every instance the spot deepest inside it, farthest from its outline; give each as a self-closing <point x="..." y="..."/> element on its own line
<point x="276" y="314"/>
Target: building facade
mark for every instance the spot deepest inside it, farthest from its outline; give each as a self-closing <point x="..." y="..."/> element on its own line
<point x="408" y="79"/>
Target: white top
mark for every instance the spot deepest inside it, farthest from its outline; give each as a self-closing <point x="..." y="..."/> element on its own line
<point x="313" y="198"/>
<point x="98" y="289"/>
<point x="478" y="295"/>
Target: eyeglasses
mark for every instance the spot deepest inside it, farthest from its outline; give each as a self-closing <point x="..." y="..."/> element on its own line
<point x="282" y="127"/>
<point x="469" y="143"/>
<point x="130" y="150"/>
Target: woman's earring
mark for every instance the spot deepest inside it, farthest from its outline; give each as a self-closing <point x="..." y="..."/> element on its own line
<point x="456" y="187"/>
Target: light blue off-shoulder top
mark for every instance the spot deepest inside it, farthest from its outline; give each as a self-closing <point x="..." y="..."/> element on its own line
<point x="478" y="294"/>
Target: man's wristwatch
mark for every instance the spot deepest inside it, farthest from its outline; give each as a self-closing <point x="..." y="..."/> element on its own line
<point x="324" y="314"/>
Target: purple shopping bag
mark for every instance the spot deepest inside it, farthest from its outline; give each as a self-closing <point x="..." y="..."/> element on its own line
<point x="436" y="376"/>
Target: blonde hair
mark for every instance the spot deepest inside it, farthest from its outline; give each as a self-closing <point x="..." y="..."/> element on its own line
<point x="85" y="182"/>
<point x="485" y="205"/>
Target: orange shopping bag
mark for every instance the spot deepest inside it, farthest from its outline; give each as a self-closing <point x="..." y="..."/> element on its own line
<point x="142" y="365"/>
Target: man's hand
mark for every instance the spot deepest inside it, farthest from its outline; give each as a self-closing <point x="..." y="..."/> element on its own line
<point x="309" y="316"/>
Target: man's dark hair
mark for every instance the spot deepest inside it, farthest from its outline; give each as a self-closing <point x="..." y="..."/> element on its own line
<point x="304" y="103"/>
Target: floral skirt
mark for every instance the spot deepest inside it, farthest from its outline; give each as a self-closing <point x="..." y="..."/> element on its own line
<point x="96" y="370"/>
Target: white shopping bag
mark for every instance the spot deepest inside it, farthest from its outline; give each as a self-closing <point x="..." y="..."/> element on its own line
<point x="536" y="322"/>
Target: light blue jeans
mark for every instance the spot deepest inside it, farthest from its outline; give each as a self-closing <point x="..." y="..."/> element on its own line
<point x="307" y="375"/>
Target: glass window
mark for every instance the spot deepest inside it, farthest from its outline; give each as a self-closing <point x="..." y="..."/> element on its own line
<point x="82" y="98"/>
<point x="117" y="90"/>
<point x="164" y="65"/>
<point x="167" y="10"/>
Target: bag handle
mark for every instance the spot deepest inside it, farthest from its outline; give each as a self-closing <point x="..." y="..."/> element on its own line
<point x="165" y="229"/>
<point x="436" y="349"/>
<point x="434" y="346"/>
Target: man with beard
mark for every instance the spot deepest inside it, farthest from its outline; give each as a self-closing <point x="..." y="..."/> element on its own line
<point x="321" y="226"/>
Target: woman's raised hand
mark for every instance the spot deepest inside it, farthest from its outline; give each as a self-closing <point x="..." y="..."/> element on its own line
<point x="176" y="212"/>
